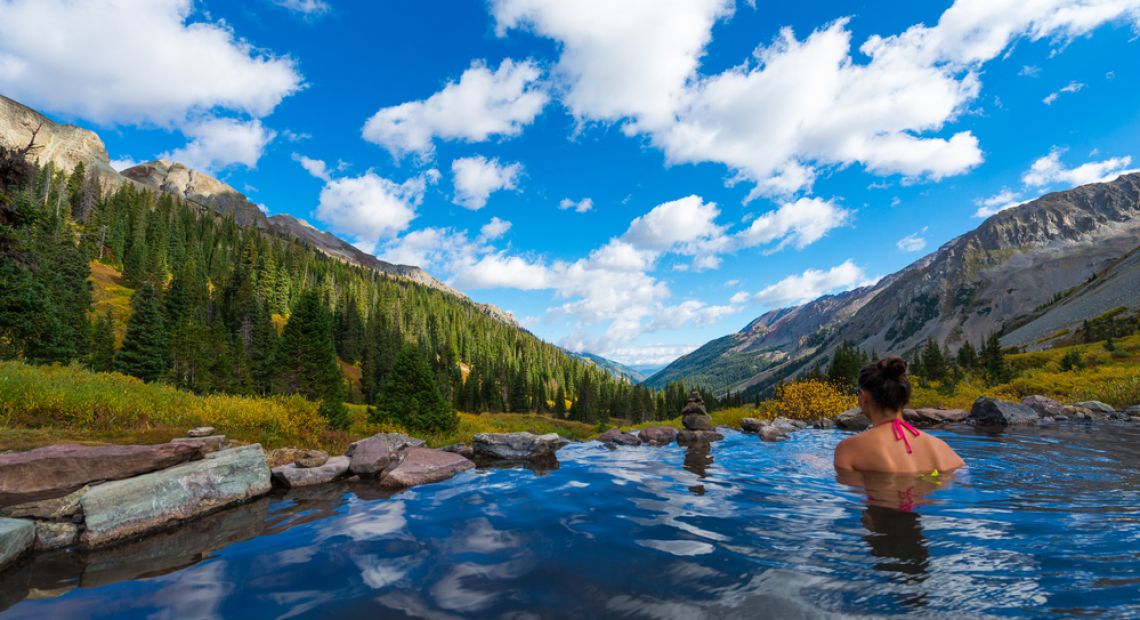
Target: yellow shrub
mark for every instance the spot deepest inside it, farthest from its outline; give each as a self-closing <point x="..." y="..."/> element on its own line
<point x="811" y="399"/>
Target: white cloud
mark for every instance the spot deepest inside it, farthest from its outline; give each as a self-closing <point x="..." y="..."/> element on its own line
<point x="494" y="229"/>
<point x="123" y="163"/>
<point x="913" y="242"/>
<point x="580" y="206"/>
<point x="1029" y="71"/>
<point x="813" y="283"/>
<point x="220" y="142"/>
<point x="308" y="9"/>
<point x="476" y="178"/>
<point x="1072" y="87"/>
<point x="1005" y="199"/>
<point x="799" y="223"/>
<point x="732" y="283"/>
<point x="649" y="355"/>
<point x="800" y="104"/>
<point x="482" y="104"/>
<point x="367" y="208"/>
<point x="679" y="222"/>
<point x="1049" y="170"/>
<point x="134" y="62"/>
<point x="739" y="298"/>
<point x="502" y="271"/>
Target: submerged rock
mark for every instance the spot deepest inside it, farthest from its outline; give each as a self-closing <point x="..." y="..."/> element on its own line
<point x="16" y="537"/>
<point x="785" y="425"/>
<point x="516" y="446"/>
<point x="657" y="435"/>
<point x="615" y="436"/>
<point x="689" y="437"/>
<point x="294" y="475"/>
<point x="1096" y="406"/>
<point x="126" y="508"/>
<point x="201" y="431"/>
<point x="994" y="412"/>
<point x="311" y="458"/>
<point x="378" y="454"/>
<point x="57" y="470"/>
<point x="424" y="465"/>
<point x="853" y="420"/>
<point x="927" y="417"/>
<point x="55" y="535"/>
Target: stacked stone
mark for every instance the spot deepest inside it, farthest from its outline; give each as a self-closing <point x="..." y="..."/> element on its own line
<point x="698" y="425"/>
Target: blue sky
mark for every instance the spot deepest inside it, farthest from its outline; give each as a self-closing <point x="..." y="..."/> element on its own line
<point x="631" y="178"/>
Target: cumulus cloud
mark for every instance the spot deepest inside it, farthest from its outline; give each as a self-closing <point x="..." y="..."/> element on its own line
<point x="679" y="222"/>
<point x="798" y="104"/>
<point x="476" y="178"/>
<point x="812" y="283"/>
<point x="220" y="142"/>
<point x="134" y="62"/>
<point x="1049" y="170"/>
<point x="494" y="229"/>
<point x="482" y="104"/>
<point x="798" y="223"/>
<point x="913" y="242"/>
<point x="580" y="206"/>
<point x="1072" y="87"/>
<point x="367" y="208"/>
<point x="1005" y="199"/>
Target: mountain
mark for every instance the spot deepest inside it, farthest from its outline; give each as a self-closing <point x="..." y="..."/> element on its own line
<point x="66" y="146"/>
<point x="1027" y="273"/>
<point x="617" y="369"/>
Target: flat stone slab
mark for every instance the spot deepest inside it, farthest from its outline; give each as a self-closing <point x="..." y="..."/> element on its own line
<point x="424" y="465"/>
<point x="125" y="508"/>
<point x="210" y="443"/>
<point x="657" y="435"/>
<point x="16" y="537"/>
<point x="55" y="509"/>
<point x="926" y="417"/>
<point x="293" y="476"/>
<point x="57" y="470"/>
<point x="201" y="431"/>
<point x="516" y="446"/>
<point x="1096" y="405"/>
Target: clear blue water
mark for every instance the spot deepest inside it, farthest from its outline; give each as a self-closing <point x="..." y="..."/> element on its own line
<point x="1044" y="524"/>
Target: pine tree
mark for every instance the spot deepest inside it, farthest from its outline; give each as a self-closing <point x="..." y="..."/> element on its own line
<point x="967" y="356"/>
<point x="144" y="349"/>
<point x="932" y="363"/>
<point x="845" y="364"/>
<point x="411" y="398"/>
<point x="306" y="359"/>
<point x="995" y="370"/>
<point x="102" y="355"/>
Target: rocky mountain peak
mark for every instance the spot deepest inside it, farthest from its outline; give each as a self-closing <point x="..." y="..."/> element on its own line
<point x="199" y="187"/>
<point x="64" y="146"/>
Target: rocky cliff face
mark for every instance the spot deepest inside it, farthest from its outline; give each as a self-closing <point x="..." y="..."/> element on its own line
<point x="64" y="146"/>
<point x="1004" y="276"/>
<point x="200" y="188"/>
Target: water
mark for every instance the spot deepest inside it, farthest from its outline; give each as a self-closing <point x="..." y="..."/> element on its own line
<point x="1044" y="524"/>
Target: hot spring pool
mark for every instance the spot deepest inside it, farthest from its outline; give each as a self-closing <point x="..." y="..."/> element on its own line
<point x="1046" y="523"/>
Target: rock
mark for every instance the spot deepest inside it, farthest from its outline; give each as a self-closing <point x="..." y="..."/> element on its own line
<point x="461" y="449"/>
<point x="1044" y="406"/>
<point x="126" y="508"/>
<point x="424" y="465"/>
<point x="657" y="435"/>
<point x="379" y="453"/>
<point x="282" y="456"/>
<point x="59" y="508"/>
<point x="785" y="425"/>
<point x="16" y="537"/>
<point x="516" y="446"/>
<point x="615" y="436"/>
<point x="55" y="535"/>
<point x="294" y="475"/>
<point x="1096" y="406"/>
<point x="209" y="443"/>
<point x="993" y="412"/>
<point x="57" y="470"/>
<point x="771" y="432"/>
<point x="824" y="423"/>
<point x="751" y="425"/>
<point x="694" y="416"/>
<point x="310" y="458"/>
<point x="201" y="431"/>
<point x="690" y="437"/>
<point x="853" y="420"/>
<point x="927" y="417"/>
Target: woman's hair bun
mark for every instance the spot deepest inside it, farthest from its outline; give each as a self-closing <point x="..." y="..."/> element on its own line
<point x="892" y="367"/>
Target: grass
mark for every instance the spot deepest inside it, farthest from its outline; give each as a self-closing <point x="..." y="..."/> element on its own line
<point x="108" y="292"/>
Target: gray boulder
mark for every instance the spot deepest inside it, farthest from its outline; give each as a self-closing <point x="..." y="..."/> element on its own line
<point x="853" y="420"/>
<point x="201" y="431"/>
<point x="293" y="475"/>
<point x="657" y="435"/>
<point x="615" y="436"/>
<point x="16" y="537"/>
<point x="785" y="425"/>
<point x="824" y="423"/>
<point x="1096" y="406"/>
<point x="1045" y="406"/>
<point x="55" y="535"/>
<point x="126" y="508"/>
<point x="751" y="425"/>
<point x="994" y="412"/>
<point x="311" y="458"/>
<point x="55" y="509"/>
<point x="461" y="449"/>
<point x="57" y="470"/>
<point x="424" y="465"/>
<point x="516" y="446"/>
<point x="209" y="443"/>
<point x="379" y="453"/>
<point x="772" y="432"/>
<point x="927" y="417"/>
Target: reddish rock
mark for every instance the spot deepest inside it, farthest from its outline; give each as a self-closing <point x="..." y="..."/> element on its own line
<point x="379" y="453"/>
<point x="657" y="435"/>
<point x="424" y="465"/>
<point x="57" y="470"/>
<point x="615" y="436"/>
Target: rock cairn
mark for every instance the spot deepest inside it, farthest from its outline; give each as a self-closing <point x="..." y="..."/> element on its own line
<point x="698" y="425"/>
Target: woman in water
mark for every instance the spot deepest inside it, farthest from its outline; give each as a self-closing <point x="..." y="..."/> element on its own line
<point x="891" y="446"/>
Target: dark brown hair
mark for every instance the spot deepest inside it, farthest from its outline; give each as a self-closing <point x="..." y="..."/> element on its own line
<point x="886" y="382"/>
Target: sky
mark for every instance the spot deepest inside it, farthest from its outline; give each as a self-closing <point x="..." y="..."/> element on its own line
<point x="630" y="178"/>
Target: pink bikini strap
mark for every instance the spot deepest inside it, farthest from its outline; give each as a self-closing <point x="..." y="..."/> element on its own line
<point x="898" y="426"/>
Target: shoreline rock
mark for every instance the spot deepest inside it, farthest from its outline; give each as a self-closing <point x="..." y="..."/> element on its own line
<point x="293" y="476"/>
<point x="853" y="420"/>
<point x="657" y="435"/>
<point x="993" y="412"/>
<point x="379" y="454"/>
<point x="16" y="538"/>
<point x="691" y="437"/>
<point x="617" y="437"/>
<point x="519" y="446"/>
<point x="925" y="417"/>
<point x="425" y="465"/>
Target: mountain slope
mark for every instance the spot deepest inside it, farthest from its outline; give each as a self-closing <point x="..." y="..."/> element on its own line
<point x="990" y="279"/>
<point x="617" y="369"/>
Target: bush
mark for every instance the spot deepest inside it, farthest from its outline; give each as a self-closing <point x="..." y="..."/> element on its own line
<point x="1072" y="361"/>
<point x="811" y="399"/>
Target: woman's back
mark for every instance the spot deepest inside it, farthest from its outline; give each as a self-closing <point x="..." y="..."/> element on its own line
<point x="880" y="449"/>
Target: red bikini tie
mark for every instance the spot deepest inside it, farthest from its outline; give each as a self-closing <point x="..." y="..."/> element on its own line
<point x="897" y="425"/>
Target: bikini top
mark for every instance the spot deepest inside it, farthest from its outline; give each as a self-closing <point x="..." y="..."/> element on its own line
<point x="899" y="426"/>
